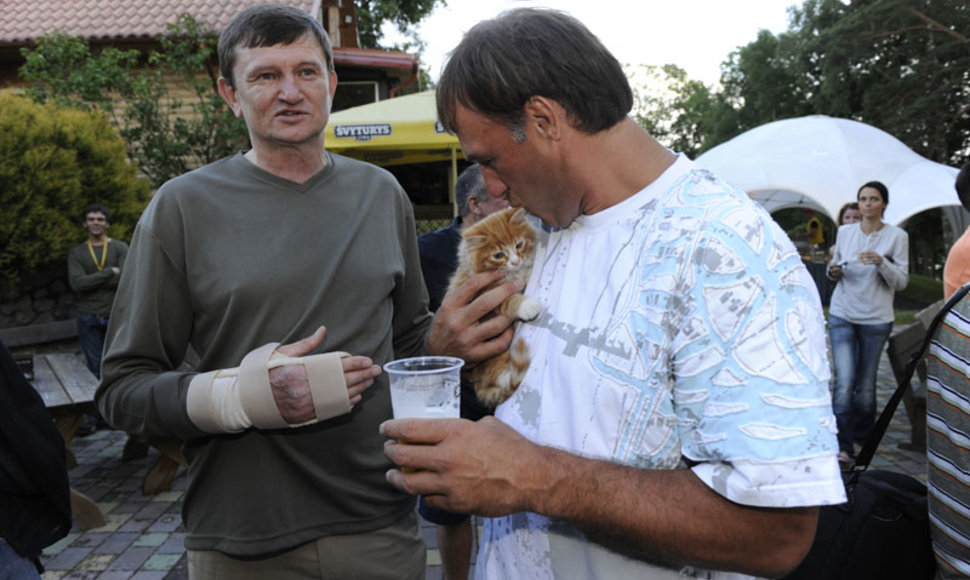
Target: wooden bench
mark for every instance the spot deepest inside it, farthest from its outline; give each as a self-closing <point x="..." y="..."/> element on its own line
<point x="38" y="333"/>
<point x="904" y="344"/>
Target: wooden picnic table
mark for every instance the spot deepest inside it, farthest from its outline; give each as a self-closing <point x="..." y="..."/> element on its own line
<point x="67" y="388"/>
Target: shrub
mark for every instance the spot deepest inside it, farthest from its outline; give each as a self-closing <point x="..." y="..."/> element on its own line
<point x="165" y="102"/>
<point x="53" y="162"/>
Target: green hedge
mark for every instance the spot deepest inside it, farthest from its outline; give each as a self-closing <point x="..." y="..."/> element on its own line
<point x="53" y="162"/>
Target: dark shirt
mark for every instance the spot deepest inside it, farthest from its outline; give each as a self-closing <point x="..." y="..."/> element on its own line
<point x="35" y="505"/>
<point x="439" y="259"/>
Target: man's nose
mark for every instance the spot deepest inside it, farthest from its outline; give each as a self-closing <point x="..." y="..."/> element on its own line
<point x="494" y="184"/>
<point x="289" y="89"/>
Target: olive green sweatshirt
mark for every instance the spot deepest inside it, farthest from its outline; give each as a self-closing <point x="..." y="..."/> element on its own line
<point x="228" y="258"/>
<point x="95" y="288"/>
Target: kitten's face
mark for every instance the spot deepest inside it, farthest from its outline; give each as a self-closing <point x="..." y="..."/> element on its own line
<point x="504" y="239"/>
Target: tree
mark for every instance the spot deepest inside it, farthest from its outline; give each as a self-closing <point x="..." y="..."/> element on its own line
<point x="762" y="82"/>
<point x="165" y="103"/>
<point x="682" y="113"/>
<point x="371" y="14"/>
<point x="53" y="162"/>
<point x="900" y="65"/>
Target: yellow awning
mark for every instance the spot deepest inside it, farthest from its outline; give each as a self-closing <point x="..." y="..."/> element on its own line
<point x="399" y="131"/>
<point x="395" y="131"/>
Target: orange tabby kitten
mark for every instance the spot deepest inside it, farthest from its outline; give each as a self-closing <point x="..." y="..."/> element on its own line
<point x="504" y="239"/>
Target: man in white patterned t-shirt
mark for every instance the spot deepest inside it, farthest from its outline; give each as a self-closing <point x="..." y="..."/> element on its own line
<point x="675" y="420"/>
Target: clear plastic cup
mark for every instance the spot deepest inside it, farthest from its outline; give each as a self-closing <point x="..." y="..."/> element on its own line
<point x="426" y="387"/>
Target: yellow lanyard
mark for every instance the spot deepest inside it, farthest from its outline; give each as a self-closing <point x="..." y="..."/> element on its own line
<point x="104" y="254"/>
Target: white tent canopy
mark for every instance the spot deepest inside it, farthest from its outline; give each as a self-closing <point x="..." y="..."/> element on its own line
<point x="820" y="162"/>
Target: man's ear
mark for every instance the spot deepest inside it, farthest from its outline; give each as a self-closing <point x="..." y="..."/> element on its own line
<point x="545" y="116"/>
<point x="228" y="93"/>
<point x="333" y="84"/>
<point x="473" y="205"/>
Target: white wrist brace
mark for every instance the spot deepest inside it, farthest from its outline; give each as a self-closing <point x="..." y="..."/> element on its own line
<point x="231" y="400"/>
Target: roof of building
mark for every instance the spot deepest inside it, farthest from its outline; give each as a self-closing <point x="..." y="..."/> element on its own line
<point x="105" y="21"/>
<point x="21" y="22"/>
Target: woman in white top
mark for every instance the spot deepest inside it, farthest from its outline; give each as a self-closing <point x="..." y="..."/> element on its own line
<point x="870" y="263"/>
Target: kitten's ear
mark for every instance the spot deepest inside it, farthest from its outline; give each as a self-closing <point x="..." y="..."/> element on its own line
<point x="473" y="239"/>
<point x="519" y="214"/>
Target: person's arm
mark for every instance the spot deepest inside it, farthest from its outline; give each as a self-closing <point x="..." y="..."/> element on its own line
<point x="80" y="280"/>
<point x="412" y="319"/>
<point x="122" y="249"/>
<point x="834" y="270"/>
<point x="144" y="390"/>
<point x="487" y="468"/>
<point x="894" y="267"/>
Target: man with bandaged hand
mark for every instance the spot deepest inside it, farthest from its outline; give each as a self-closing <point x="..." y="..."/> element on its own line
<point x="282" y="244"/>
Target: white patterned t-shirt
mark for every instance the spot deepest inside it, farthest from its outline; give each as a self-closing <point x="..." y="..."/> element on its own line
<point x="677" y="324"/>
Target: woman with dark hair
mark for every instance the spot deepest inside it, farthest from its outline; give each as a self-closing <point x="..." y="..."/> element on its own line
<point x="870" y="263"/>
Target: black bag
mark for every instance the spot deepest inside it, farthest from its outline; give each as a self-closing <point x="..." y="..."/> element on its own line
<point x="883" y="531"/>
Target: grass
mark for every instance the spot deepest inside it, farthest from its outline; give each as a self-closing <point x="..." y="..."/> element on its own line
<point x="904" y="317"/>
<point x="918" y="294"/>
<point x="922" y="289"/>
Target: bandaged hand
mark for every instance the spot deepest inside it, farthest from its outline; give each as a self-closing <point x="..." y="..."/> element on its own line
<point x="279" y="386"/>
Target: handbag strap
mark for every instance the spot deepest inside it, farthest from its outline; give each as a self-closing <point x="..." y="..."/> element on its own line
<point x="882" y="423"/>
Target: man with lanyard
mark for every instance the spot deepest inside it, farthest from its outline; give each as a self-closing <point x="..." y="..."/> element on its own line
<point x="94" y="269"/>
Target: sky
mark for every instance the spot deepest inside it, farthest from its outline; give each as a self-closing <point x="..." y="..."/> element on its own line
<point x="696" y="35"/>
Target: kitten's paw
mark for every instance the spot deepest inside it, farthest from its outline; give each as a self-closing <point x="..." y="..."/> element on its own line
<point x="500" y="390"/>
<point x="529" y="309"/>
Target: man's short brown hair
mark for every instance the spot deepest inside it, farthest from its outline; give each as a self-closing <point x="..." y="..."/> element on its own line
<point x="268" y="25"/>
<point x="501" y="63"/>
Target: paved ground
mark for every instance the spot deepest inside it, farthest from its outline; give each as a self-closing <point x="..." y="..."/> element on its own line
<point x="143" y="537"/>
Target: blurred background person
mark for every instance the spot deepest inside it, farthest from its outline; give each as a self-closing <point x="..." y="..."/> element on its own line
<point x="93" y="271"/>
<point x="870" y="263"/>
<point x="439" y="249"/>
<point x="956" y="271"/>
<point x="849" y="214"/>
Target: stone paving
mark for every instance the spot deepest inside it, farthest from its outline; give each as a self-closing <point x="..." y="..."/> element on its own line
<point x="143" y="537"/>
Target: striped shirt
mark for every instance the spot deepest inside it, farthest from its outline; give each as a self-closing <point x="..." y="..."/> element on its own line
<point x="948" y="442"/>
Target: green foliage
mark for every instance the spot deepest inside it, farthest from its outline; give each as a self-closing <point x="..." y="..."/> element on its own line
<point x="53" y="162"/>
<point x="165" y="103"/>
<point x="762" y="84"/>
<point x="371" y="14"/>
<point x="900" y="65"/>
<point x="923" y="289"/>
<point x="680" y="112"/>
<point x="927" y="254"/>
